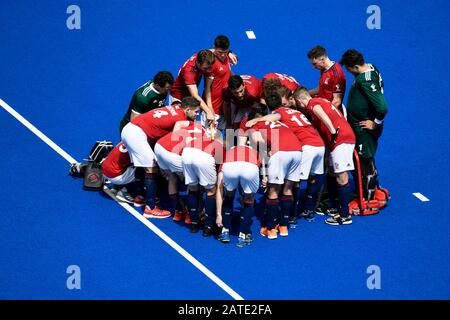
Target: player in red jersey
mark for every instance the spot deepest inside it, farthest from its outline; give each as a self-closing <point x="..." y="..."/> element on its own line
<point x="218" y="79"/>
<point x="285" y="80"/>
<point x="332" y="78"/>
<point x="313" y="151"/>
<point x="340" y="140"/>
<point x="240" y="168"/>
<point x="145" y="130"/>
<point x="118" y="169"/>
<point x="242" y="92"/>
<point x="168" y="151"/>
<point x="189" y="77"/>
<point x="283" y="168"/>
<point x="199" y="157"/>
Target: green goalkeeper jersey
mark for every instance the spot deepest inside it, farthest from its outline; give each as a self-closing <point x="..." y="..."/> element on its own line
<point x="145" y="99"/>
<point x="366" y="99"/>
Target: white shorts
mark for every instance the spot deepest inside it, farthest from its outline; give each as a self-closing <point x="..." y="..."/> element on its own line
<point x="198" y="168"/>
<point x="341" y="158"/>
<point x="125" y="178"/>
<point x="168" y="160"/>
<point x="135" y="140"/>
<point x="312" y="161"/>
<point x="237" y="114"/>
<point x="284" y="165"/>
<point x="240" y="172"/>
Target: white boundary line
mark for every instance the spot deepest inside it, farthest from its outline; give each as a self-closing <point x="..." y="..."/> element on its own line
<point x="421" y="197"/>
<point x="33" y="129"/>
<point x="127" y="207"/>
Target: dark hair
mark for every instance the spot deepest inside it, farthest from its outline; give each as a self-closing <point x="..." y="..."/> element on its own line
<point x="189" y="102"/>
<point x="206" y="56"/>
<point x="274" y="101"/>
<point x="222" y="42"/>
<point x="270" y="85"/>
<point x="316" y="52"/>
<point x="163" y="77"/>
<point x="235" y="82"/>
<point x="352" y="58"/>
<point x="257" y="110"/>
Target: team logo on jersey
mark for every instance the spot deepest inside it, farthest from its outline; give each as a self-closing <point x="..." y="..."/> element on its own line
<point x="373" y="87"/>
<point x="336" y="165"/>
<point x="326" y="81"/>
<point x="220" y="69"/>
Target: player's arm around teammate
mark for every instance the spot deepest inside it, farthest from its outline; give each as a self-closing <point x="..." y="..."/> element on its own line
<point x="341" y="143"/>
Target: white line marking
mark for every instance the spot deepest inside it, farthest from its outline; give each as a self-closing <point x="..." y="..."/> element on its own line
<point x="181" y="251"/>
<point x="33" y="129"/>
<point x="420" y="196"/>
<point x="250" y="34"/>
<point x="131" y="210"/>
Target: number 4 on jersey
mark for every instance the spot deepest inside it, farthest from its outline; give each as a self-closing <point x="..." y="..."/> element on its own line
<point x="160" y="113"/>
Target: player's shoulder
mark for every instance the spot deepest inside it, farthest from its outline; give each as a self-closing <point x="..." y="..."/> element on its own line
<point x="250" y="80"/>
<point x="282" y="111"/>
<point x="338" y="71"/>
<point x="369" y="76"/>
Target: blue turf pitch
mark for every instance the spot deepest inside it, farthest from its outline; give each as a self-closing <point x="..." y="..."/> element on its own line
<point x="75" y="86"/>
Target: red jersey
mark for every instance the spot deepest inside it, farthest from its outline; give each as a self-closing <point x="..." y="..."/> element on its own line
<point x="253" y="92"/>
<point x="175" y="141"/>
<point x="188" y="75"/>
<point x="201" y="140"/>
<point x="242" y="153"/>
<point x="286" y="80"/>
<point x="276" y="134"/>
<point x="345" y="135"/>
<point x="300" y="125"/>
<point x="220" y="73"/>
<point x="331" y="81"/>
<point x="159" y="122"/>
<point x="117" y="161"/>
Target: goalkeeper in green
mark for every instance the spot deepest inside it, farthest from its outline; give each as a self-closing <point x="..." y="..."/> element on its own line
<point x="366" y="110"/>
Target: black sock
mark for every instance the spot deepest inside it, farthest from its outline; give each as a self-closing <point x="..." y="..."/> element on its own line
<point x="332" y="192"/>
<point x="296" y="204"/>
<point x="227" y="212"/>
<point x="247" y="214"/>
<point x="312" y="192"/>
<point x="344" y="193"/>
<point x="286" y="203"/>
<point x="273" y="208"/>
<point x="150" y="189"/>
<point x="192" y="204"/>
<point x="210" y="211"/>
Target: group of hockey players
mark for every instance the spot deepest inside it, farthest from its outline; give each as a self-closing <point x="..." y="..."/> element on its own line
<point x="243" y="135"/>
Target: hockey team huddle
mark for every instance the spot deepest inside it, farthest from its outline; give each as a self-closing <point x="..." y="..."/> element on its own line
<point x="244" y="134"/>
